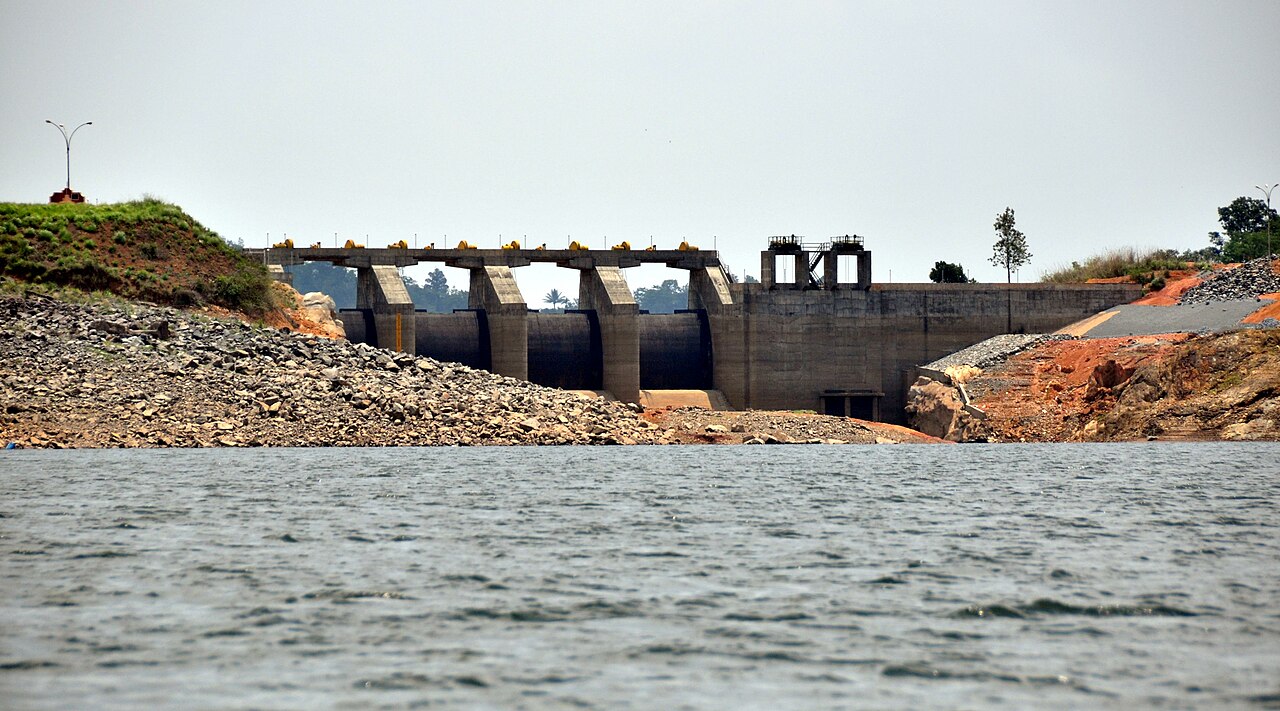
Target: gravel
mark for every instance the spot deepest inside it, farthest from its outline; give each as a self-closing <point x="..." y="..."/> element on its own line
<point x="1246" y="281"/>
<point x="994" y="350"/>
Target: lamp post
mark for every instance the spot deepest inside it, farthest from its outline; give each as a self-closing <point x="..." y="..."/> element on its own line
<point x="67" y="139"/>
<point x="1266" y="190"/>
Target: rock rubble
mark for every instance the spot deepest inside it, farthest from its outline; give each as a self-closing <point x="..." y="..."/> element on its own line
<point x="996" y="349"/>
<point x="130" y="375"/>
<point x="1246" y="281"/>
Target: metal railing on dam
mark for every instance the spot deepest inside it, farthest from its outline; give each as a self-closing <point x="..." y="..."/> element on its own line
<point x="357" y="257"/>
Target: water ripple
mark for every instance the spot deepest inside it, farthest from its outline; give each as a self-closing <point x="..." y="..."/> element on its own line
<point x="978" y="576"/>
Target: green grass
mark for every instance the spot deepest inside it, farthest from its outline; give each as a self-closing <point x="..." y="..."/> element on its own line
<point x="68" y="245"/>
<point x="1143" y="266"/>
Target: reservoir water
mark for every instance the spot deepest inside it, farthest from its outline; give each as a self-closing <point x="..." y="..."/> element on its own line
<point x="1001" y="576"/>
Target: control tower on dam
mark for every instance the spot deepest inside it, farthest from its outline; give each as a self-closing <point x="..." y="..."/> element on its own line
<point x="814" y="334"/>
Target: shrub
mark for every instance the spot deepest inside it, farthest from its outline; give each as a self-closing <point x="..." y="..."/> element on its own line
<point x="948" y="273"/>
<point x="248" y="290"/>
<point x="185" y="297"/>
<point x="15" y="246"/>
<point x="1115" y="263"/>
<point x="83" y="274"/>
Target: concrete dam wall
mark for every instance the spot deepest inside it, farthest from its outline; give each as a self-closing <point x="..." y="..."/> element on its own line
<point x="814" y="342"/>
<point x="835" y="350"/>
<point x="564" y="350"/>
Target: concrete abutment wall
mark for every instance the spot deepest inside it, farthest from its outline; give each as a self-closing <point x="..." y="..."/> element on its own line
<point x="798" y="344"/>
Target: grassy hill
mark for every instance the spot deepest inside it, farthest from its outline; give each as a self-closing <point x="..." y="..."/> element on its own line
<point x="145" y="249"/>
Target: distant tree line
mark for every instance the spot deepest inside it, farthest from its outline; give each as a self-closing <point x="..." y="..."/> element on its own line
<point x="664" y="298"/>
<point x="433" y="294"/>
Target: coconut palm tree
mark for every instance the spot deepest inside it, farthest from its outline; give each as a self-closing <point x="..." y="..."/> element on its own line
<point x="554" y="297"/>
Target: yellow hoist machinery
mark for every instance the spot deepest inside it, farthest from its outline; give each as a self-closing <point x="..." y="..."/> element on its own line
<point x="576" y="246"/>
<point x="513" y="244"/>
<point x="464" y="245"/>
<point x="651" y="248"/>
<point x="686" y="247"/>
<point x="398" y="245"/>
<point x="315" y="246"/>
<point x="286" y="244"/>
<point x="351" y="244"/>
<point x="622" y="247"/>
<point x="541" y="248"/>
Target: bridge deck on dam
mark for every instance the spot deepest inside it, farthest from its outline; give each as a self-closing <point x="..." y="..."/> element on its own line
<point x="473" y="258"/>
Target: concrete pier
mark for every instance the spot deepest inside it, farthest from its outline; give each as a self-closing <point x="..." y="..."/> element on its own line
<point x="710" y="292"/>
<point x="494" y="290"/>
<point x="381" y="290"/>
<point x="604" y="290"/>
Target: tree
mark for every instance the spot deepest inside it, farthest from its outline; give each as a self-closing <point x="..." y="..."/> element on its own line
<point x="437" y="283"/>
<point x="663" y="298"/>
<point x="1245" y="222"/>
<point x="1010" y="250"/>
<point x="554" y="297"/>
<point x="948" y="273"/>
<point x="434" y="294"/>
<point x="1243" y="215"/>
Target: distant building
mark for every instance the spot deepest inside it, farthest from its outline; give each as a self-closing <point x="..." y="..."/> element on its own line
<point x="66" y="195"/>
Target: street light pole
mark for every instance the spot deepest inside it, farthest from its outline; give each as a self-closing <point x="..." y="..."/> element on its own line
<point x="1266" y="190"/>
<point x="67" y="139"/>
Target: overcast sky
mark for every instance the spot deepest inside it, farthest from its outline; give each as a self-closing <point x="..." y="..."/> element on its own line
<point x="1102" y="124"/>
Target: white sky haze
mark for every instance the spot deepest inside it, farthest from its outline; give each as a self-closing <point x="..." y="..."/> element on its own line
<point x="1102" y="124"/>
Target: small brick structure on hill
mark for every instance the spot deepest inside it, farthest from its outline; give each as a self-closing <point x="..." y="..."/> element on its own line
<point x="66" y="195"/>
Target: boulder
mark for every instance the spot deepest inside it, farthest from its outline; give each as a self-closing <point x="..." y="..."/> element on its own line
<point x="1251" y="430"/>
<point x="320" y="307"/>
<point x="938" y="410"/>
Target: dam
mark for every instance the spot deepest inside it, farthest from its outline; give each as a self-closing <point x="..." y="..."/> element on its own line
<point x="825" y="339"/>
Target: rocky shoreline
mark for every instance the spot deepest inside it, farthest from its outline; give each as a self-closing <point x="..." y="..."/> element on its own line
<point x="124" y="374"/>
<point x="1177" y="386"/>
